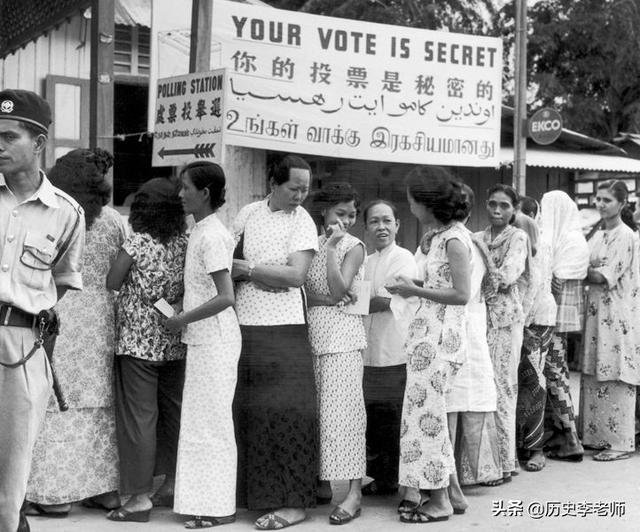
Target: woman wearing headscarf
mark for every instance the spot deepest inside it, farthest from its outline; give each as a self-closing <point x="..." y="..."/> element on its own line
<point x="561" y="230"/>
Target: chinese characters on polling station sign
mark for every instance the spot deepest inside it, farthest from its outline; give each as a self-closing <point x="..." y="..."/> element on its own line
<point x="188" y="119"/>
<point x="343" y="88"/>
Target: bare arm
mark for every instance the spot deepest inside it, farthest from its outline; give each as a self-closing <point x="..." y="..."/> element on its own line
<point x="340" y="279"/>
<point x="119" y="270"/>
<point x="458" y="294"/>
<point x="224" y="299"/>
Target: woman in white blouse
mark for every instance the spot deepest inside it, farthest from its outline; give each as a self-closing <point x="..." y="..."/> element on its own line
<point x="275" y="404"/>
<point x="206" y="469"/>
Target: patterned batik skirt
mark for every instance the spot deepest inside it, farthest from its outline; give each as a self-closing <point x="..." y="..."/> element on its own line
<point x="532" y="392"/>
<point x="607" y="414"/>
<point x="275" y="419"/>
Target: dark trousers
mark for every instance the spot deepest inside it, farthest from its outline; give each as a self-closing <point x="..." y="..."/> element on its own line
<point x="148" y="402"/>
<point x="383" y="398"/>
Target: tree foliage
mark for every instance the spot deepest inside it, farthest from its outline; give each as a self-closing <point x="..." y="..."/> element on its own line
<point x="464" y="16"/>
<point x="583" y="57"/>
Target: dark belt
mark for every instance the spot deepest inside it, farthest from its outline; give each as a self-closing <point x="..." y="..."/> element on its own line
<point x="15" y="317"/>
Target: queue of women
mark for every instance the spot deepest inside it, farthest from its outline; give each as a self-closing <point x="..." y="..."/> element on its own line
<point x="228" y="361"/>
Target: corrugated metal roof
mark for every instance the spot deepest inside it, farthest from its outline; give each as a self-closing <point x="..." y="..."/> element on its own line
<point x="573" y="160"/>
<point x="133" y="12"/>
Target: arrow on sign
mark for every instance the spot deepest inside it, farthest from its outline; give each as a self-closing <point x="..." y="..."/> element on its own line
<point x="198" y="151"/>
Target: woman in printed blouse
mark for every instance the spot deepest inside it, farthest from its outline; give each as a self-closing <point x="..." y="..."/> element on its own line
<point x="611" y="363"/>
<point x="206" y="471"/>
<point x="505" y="251"/>
<point x="149" y="368"/>
<point x="337" y="340"/>
<point x="436" y="343"/>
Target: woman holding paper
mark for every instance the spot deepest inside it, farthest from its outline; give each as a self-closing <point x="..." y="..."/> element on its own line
<point x="207" y="457"/>
<point x="149" y="369"/>
<point x="337" y="339"/>
<point x="436" y="343"/>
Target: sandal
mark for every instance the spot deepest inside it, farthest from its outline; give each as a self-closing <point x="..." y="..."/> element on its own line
<point x="406" y="506"/>
<point x="33" y="509"/>
<point x="610" y="456"/>
<point x="207" y="521"/>
<point x="497" y="482"/>
<point x="340" y="516"/>
<point x="120" y="514"/>
<point x="273" y="521"/>
<point x="93" y="504"/>
<point x="420" y="516"/>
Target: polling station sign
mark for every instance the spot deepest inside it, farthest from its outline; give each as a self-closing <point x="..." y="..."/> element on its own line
<point x="189" y="119"/>
<point x="344" y="88"/>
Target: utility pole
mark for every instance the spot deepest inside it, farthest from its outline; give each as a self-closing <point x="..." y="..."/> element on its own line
<point x="520" y="112"/>
<point x="245" y="168"/>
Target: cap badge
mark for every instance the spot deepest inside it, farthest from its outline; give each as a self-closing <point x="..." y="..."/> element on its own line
<point x="6" y="106"/>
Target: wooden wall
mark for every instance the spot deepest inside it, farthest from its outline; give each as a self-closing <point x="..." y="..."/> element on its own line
<point x="60" y="52"/>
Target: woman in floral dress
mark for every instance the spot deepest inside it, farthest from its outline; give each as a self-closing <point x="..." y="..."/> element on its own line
<point x="436" y="343"/>
<point x="76" y="456"/>
<point x="611" y="364"/>
<point x="505" y="251"/>
<point x="337" y="340"/>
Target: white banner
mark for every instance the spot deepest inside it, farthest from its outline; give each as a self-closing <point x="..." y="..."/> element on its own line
<point x="188" y="118"/>
<point x="343" y="88"/>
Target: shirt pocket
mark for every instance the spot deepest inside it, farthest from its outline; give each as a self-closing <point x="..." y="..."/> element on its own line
<point x="36" y="260"/>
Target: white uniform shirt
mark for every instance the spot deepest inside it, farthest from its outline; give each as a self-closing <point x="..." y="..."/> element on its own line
<point x="269" y="238"/>
<point x="385" y="335"/>
<point x="32" y="233"/>
<point x="210" y="250"/>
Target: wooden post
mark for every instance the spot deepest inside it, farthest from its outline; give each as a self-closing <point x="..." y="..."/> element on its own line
<point x="101" y="81"/>
<point x="520" y="112"/>
<point x="244" y="168"/>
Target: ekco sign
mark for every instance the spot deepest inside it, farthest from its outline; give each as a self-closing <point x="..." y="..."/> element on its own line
<point x="545" y="126"/>
<point x="343" y="88"/>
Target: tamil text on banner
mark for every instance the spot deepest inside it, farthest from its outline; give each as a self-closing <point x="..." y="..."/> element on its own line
<point x="343" y="88"/>
<point x="188" y="118"/>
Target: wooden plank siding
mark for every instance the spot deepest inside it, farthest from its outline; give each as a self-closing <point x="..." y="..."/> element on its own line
<point x="58" y="53"/>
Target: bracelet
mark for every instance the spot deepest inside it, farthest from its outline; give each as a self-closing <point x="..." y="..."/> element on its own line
<point x="252" y="266"/>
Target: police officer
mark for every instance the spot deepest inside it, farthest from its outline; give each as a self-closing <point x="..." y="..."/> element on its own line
<point x="41" y="243"/>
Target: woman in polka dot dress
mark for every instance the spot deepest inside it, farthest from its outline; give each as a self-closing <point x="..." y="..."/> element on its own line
<point x="337" y="340"/>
